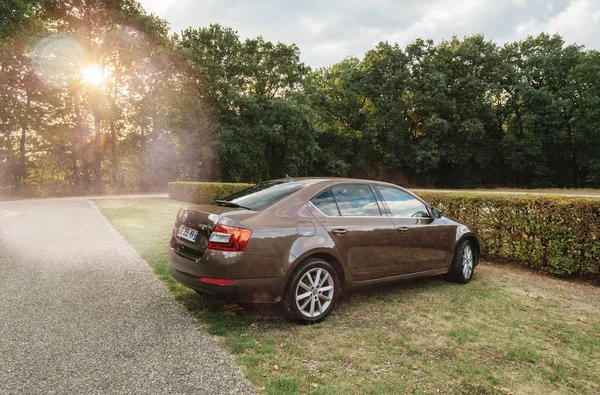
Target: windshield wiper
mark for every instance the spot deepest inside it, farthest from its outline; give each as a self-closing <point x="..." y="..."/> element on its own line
<point x="231" y="204"/>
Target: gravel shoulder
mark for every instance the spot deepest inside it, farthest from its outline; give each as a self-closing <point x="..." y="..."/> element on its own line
<point x="81" y="312"/>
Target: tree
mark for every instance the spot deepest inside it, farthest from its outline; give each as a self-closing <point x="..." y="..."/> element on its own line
<point x="96" y="94"/>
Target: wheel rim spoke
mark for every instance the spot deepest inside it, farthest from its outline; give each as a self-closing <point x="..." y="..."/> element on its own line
<point x="325" y="278"/>
<point x="305" y="304"/>
<point x="317" y="278"/>
<point x="467" y="261"/>
<point x="303" y="296"/>
<point x="306" y="287"/>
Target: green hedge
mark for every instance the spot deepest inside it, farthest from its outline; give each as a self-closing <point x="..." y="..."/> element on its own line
<point x="556" y="234"/>
<point x="559" y="235"/>
<point x="203" y="192"/>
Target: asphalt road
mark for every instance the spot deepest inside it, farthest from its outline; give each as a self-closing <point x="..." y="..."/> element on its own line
<point x="80" y="312"/>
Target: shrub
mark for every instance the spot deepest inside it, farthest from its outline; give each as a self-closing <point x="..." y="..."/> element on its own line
<point x="203" y="192"/>
<point x="560" y="235"/>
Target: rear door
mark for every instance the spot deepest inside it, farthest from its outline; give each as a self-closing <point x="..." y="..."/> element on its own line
<point x="422" y="241"/>
<point x="357" y="224"/>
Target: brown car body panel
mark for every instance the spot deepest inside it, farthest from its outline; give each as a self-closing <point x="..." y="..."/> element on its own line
<point x="373" y="250"/>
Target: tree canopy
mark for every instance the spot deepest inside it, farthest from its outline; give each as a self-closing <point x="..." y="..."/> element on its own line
<point x="98" y="95"/>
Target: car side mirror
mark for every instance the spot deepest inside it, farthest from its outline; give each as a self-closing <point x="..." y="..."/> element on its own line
<point x="436" y="213"/>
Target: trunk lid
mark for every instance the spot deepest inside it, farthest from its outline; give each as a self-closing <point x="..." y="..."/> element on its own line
<point x="203" y="220"/>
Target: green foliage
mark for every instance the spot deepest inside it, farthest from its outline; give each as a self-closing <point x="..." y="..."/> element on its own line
<point x="265" y="126"/>
<point x="462" y="113"/>
<point x="203" y="192"/>
<point x="207" y="105"/>
<point x="559" y="235"/>
<point x="16" y="15"/>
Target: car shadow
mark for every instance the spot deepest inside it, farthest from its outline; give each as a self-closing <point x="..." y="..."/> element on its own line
<point x="363" y="294"/>
<point x="386" y="289"/>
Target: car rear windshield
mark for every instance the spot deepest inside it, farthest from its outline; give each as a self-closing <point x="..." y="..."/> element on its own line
<point x="264" y="194"/>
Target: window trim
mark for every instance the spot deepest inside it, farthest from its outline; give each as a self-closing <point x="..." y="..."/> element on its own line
<point x="387" y="208"/>
<point x="382" y="211"/>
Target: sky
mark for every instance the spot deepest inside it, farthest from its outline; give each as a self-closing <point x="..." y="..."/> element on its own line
<point x="326" y="31"/>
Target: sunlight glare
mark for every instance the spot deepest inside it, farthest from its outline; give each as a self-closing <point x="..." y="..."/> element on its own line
<point x="92" y="75"/>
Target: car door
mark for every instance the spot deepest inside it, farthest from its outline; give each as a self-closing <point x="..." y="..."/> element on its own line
<point x="357" y="224"/>
<point x="422" y="241"/>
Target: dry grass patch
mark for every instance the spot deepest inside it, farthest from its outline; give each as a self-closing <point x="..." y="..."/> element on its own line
<point x="508" y="331"/>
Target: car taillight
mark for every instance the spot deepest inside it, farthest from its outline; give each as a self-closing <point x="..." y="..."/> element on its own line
<point x="229" y="238"/>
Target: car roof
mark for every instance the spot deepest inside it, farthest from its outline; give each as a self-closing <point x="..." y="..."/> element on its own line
<point x="330" y="180"/>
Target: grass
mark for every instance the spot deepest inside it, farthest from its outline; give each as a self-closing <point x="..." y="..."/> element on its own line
<point x="508" y="331"/>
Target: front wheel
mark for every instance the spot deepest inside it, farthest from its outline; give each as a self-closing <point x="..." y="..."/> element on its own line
<point x="464" y="262"/>
<point x="312" y="291"/>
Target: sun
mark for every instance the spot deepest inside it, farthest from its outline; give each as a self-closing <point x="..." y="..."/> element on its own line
<point x="92" y="75"/>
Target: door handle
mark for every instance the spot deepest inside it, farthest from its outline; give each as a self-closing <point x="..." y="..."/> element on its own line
<point x="339" y="231"/>
<point x="402" y="229"/>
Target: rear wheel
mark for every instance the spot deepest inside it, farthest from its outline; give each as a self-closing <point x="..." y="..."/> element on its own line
<point x="464" y="262"/>
<point x="312" y="291"/>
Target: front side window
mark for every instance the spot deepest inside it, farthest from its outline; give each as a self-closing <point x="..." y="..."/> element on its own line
<point x="356" y="201"/>
<point x="401" y="204"/>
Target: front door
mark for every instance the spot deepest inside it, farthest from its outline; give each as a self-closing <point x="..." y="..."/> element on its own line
<point x="364" y="235"/>
<point x="422" y="241"/>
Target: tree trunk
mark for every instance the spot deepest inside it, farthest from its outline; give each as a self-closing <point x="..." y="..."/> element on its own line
<point x="98" y="184"/>
<point x="22" y="171"/>
<point x="113" y="131"/>
<point x="85" y="168"/>
<point x="142" y="181"/>
<point x="113" y="155"/>
<point x="75" y="172"/>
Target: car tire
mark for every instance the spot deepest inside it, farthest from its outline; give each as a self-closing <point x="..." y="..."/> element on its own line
<point x="463" y="264"/>
<point x="314" y="288"/>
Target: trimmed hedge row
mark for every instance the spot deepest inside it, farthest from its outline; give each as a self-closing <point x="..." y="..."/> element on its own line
<point x="559" y="235"/>
<point x="203" y="192"/>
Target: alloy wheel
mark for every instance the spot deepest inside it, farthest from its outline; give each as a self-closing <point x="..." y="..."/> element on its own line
<point x="314" y="292"/>
<point x="467" y="261"/>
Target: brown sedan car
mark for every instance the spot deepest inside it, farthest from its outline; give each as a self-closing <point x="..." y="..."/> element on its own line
<point x="301" y="241"/>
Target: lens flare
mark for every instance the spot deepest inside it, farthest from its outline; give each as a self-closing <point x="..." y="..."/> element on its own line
<point x="92" y="75"/>
<point x="57" y="60"/>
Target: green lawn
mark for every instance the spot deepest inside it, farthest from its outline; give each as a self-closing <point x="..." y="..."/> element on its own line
<point x="508" y="331"/>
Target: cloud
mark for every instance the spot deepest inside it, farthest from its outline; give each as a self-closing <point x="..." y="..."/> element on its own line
<point x="326" y="32"/>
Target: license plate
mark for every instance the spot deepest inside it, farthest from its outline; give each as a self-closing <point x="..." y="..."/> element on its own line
<point x="187" y="233"/>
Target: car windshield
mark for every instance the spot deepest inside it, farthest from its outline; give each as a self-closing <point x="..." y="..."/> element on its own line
<point x="262" y="195"/>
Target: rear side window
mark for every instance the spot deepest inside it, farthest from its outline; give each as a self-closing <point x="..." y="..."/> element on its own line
<point x="326" y="203"/>
<point x="264" y="194"/>
<point x="401" y="204"/>
<point x="356" y="200"/>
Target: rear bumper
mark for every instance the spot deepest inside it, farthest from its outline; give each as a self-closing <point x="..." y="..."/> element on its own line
<point x="249" y="290"/>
